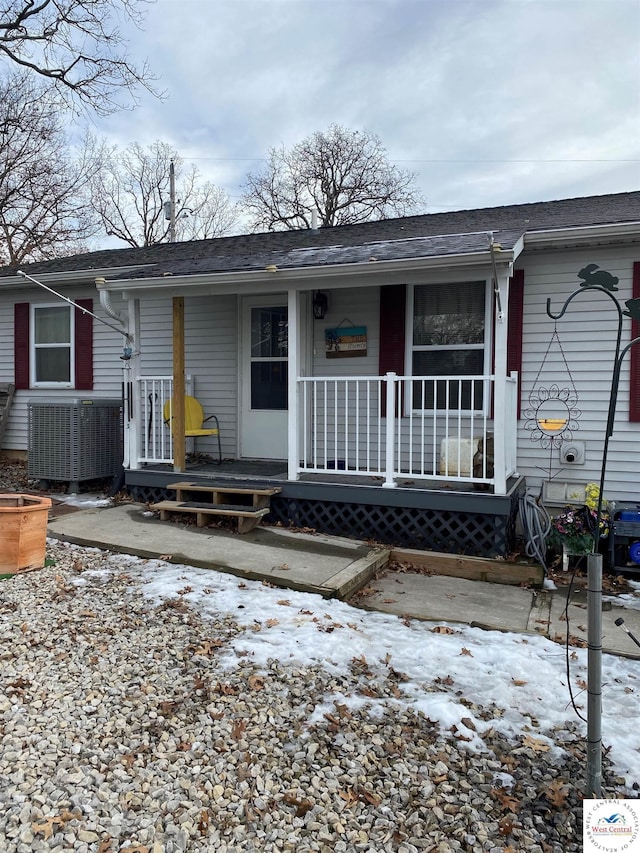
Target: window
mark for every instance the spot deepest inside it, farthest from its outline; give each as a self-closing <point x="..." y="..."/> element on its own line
<point x="53" y="345"/>
<point x="269" y="351"/>
<point x="448" y="339"/>
<point x="52" y="338"/>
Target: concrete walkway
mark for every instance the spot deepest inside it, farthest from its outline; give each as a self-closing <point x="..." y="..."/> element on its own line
<point x="337" y="568"/>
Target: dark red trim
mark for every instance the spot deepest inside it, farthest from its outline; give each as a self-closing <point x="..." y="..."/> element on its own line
<point x="21" y="345"/>
<point x="634" y="355"/>
<point x="84" y="346"/>
<point x="514" y="329"/>
<point x="393" y="324"/>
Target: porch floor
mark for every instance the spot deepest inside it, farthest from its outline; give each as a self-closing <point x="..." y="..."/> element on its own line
<point x="276" y="470"/>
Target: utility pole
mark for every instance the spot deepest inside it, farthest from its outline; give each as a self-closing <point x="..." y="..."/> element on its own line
<point x="172" y="203"/>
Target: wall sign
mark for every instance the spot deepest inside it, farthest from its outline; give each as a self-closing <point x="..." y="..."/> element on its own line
<point x="346" y="341"/>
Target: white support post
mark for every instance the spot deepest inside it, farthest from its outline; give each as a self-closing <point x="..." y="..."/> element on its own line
<point x="293" y="438"/>
<point x="499" y="388"/>
<point x="133" y="413"/>
<point x="390" y="444"/>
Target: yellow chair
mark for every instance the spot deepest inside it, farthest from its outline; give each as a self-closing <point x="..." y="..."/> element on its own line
<point x="193" y="420"/>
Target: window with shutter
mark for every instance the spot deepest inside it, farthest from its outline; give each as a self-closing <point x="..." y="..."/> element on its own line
<point x="53" y="345"/>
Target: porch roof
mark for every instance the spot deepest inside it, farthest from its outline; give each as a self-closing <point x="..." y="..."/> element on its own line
<point x="446" y="246"/>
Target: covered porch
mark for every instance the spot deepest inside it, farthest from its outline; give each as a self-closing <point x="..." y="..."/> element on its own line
<point x="389" y="429"/>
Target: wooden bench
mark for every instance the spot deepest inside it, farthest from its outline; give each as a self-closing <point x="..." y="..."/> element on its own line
<point x="210" y="500"/>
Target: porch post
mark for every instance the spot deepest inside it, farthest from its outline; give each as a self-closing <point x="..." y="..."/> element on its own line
<point x="500" y="427"/>
<point x="293" y="442"/>
<point x="389" y="482"/>
<point x="177" y="409"/>
<point x="132" y="415"/>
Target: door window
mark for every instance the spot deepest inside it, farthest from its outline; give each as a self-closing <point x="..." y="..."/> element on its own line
<point x="269" y="351"/>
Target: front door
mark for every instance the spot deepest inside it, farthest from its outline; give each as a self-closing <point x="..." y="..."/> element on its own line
<point x="264" y="378"/>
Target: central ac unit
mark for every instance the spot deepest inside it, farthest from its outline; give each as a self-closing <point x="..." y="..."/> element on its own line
<point x="73" y="440"/>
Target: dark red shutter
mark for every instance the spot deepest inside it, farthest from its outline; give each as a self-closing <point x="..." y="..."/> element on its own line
<point x="634" y="355"/>
<point x="84" y="346"/>
<point x="514" y="329"/>
<point x="21" y="344"/>
<point x="393" y="305"/>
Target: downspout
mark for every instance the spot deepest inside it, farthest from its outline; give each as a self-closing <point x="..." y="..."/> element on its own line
<point x="127" y="379"/>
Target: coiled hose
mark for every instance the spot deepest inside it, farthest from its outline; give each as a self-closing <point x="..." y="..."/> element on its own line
<point x="536" y="524"/>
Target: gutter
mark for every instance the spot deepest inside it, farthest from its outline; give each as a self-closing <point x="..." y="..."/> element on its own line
<point x="621" y="232"/>
<point x="64" y="277"/>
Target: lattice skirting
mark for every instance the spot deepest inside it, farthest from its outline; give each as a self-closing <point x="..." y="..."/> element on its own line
<point x="452" y="532"/>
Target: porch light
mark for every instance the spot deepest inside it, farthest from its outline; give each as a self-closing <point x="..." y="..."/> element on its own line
<point x="320" y="304"/>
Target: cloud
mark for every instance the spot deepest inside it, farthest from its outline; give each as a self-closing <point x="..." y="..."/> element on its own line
<point x="488" y="102"/>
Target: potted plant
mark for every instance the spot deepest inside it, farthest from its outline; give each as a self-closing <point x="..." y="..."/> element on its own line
<point x="573" y="530"/>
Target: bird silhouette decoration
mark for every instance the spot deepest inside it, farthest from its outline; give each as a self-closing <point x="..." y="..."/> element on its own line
<point x="593" y="276"/>
<point x="633" y="309"/>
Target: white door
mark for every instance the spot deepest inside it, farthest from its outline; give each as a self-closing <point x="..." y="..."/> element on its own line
<point x="263" y="417"/>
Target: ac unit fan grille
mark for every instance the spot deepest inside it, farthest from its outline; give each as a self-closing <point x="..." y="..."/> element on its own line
<point x="74" y="441"/>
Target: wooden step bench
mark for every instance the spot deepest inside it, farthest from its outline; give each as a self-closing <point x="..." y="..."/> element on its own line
<point x="248" y="516"/>
<point x="204" y="500"/>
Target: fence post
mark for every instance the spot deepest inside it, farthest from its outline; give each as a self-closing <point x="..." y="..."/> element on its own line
<point x="389" y="483"/>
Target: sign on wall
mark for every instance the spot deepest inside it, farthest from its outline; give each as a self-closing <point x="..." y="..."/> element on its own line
<point x="346" y="341"/>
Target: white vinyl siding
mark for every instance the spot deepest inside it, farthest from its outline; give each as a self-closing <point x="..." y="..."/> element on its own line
<point x="587" y="334"/>
<point x="211" y="357"/>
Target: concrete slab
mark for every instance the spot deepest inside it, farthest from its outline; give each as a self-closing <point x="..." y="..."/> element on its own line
<point x="336" y="568"/>
<point x="436" y="598"/>
<point x="325" y="565"/>
<point x="614" y="638"/>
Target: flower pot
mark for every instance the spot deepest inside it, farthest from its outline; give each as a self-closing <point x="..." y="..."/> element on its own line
<point x="23" y="532"/>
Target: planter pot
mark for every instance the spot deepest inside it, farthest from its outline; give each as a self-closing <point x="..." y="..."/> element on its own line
<point x="23" y="532"/>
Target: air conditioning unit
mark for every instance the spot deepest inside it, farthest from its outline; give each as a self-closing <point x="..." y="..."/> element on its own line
<point x="72" y="440"/>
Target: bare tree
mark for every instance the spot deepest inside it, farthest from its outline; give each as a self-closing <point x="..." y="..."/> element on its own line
<point x="342" y="174"/>
<point x="76" y="46"/>
<point x="132" y="189"/>
<point x="45" y="208"/>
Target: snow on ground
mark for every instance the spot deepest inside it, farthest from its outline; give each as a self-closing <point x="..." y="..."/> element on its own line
<point x="522" y="675"/>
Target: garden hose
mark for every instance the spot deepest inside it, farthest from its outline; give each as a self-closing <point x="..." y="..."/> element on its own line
<point x="536" y="524"/>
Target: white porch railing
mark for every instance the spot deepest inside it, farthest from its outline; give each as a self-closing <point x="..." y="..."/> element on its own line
<point x="154" y="438"/>
<point x="441" y="428"/>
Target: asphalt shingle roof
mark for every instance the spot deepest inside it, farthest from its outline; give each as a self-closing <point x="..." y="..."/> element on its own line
<point x="407" y="237"/>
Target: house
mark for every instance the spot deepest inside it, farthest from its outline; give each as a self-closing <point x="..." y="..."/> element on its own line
<point x="391" y="376"/>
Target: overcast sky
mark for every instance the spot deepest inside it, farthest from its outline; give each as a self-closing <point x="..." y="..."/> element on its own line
<point x="489" y="102"/>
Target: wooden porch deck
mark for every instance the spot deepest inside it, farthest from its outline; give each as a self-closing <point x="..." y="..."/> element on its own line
<point x="427" y="514"/>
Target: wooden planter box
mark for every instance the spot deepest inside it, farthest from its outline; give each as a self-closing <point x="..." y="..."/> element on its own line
<point x="23" y="532"/>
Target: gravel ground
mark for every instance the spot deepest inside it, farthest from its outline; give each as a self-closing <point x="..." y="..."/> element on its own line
<point x="120" y="730"/>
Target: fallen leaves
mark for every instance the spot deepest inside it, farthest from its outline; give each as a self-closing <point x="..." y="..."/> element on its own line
<point x="51" y="824"/>
<point x="557" y="792"/>
<point x="535" y="744"/>
<point x="506" y="800"/>
<point x="208" y="646"/>
<point x="302" y="806"/>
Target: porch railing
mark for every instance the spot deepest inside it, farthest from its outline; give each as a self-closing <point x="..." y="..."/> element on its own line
<point x="440" y="428"/>
<point x="155" y="441"/>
